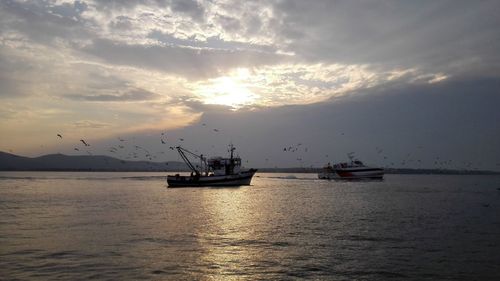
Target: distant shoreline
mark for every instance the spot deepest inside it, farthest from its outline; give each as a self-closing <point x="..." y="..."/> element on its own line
<point x="271" y="170"/>
<point x="100" y="163"/>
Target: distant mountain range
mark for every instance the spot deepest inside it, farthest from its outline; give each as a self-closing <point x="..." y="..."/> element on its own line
<point x="61" y="162"/>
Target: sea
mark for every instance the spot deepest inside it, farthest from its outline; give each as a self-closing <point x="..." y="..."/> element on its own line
<point x="131" y="226"/>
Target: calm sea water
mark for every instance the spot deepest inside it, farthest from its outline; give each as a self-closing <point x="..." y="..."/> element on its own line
<point x="130" y="226"/>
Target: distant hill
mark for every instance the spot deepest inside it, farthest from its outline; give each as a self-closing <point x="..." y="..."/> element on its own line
<point x="61" y="162"/>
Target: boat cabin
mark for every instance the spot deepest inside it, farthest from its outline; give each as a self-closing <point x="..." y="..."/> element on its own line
<point x="224" y="166"/>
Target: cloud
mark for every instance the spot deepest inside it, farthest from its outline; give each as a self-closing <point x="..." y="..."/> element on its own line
<point x="89" y="124"/>
<point x="146" y="64"/>
<point x="213" y="42"/>
<point x="229" y="24"/>
<point x="189" y="7"/>
<point x="440" y="35"/>
<point x="45" y="22"/>
<point x="130" y="95"/>
<point x="188" y="62"/>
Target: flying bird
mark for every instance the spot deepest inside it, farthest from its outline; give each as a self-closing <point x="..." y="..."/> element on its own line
<point x="86" y="144"/>
<point x="181" y="139"/>
<point x="59" y="135"/>
<point x="77" y="149"/>
<point x="215" y="130"/>
<point x="162" y="141"/>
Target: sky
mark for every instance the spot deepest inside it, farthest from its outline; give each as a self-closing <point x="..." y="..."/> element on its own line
<point x="400" y="83"/>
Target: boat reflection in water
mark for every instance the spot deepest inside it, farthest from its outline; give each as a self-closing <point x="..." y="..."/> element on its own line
<point x="217" y="171"/>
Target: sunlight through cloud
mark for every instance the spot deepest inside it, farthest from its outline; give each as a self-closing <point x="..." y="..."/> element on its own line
<point x="230" y="90"/>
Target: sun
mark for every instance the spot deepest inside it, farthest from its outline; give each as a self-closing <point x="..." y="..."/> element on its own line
<point x="230" y="90"/>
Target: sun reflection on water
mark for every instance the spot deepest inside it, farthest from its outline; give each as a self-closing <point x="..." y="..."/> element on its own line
<point x="230" y="242"/>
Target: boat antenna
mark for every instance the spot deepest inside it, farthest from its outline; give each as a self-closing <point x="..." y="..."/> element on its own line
<point x="231" y="148"/>
<point x="350" y="155"/>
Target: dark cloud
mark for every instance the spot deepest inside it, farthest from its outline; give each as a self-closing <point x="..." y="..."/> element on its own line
<point x="121" y="5"/>
<point x="45" y="23"/>
<point x="188" y="7"/>
<point x="229" y="23"/>
<point x="438" y="35"/>
<point x="189" y="62"/>
<point x="121" y="23"/>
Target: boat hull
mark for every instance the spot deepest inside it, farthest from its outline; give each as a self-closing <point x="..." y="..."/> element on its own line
<point x="353" y="174"/>
<point x="242" y="178"/>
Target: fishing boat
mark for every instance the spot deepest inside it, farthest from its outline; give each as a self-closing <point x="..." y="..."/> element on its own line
<point x="216" y="171"/>
<point x="352" y="170"/>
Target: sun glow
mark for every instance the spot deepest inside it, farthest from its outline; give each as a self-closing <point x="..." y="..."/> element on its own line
<point x="232" y="90"/>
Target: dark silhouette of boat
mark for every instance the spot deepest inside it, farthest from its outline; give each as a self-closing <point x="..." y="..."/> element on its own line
<point x="217" y="171"/>
<point x="353" y="170"/>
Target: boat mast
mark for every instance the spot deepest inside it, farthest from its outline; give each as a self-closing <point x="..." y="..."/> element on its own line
<point x="182" y="153"/>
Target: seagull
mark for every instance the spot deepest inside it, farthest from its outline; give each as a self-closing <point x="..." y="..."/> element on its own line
<point x="59" y="135"/>
<point x="77" y="149"/>
<point x="86" y="144"/>
<point x="162" y="141"/>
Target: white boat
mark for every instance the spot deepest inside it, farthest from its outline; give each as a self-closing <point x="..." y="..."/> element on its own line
<point x="217" y="171"/>
<point x="352" y="170"/>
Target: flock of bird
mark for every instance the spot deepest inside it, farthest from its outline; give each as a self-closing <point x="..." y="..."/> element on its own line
<point x="133" y="151"/>
<point x="125" y="149"/>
